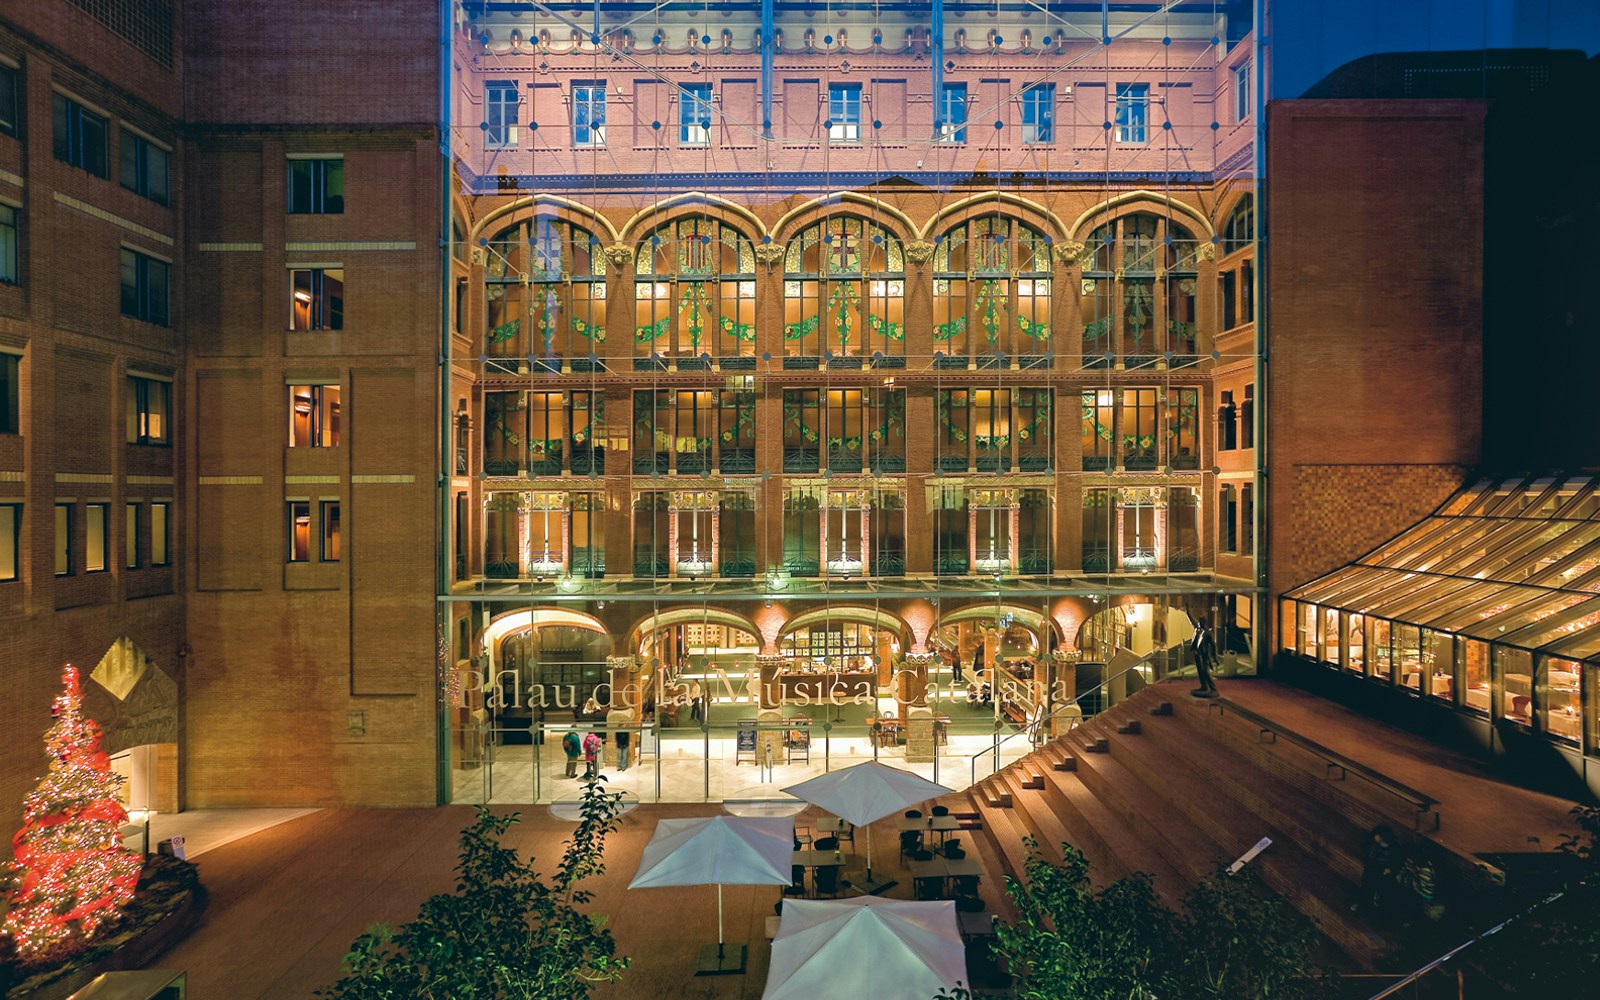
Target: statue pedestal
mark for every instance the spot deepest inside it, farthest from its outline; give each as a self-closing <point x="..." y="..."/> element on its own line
<point x="769" y="742"/>
<point x="921" y="745"/>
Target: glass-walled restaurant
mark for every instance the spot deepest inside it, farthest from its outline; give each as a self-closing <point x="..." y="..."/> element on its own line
<point x="1491" y="606"/>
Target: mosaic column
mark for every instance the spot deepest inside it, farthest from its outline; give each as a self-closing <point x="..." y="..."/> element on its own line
<point x="769" y="709"/>
<point x="1062" y="690"/>
<point x="911" y="690"/>
<point x="628" y="681"/>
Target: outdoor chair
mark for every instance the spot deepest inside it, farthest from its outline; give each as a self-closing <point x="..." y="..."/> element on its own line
<point x="826" y="844"/>
<point x="941" y="810"/>
<point x="827" y="880"/>
<point x="910" y="842"/>
<point x="952" y="847"/>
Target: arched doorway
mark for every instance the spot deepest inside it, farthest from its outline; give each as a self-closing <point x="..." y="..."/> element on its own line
<point x="540" y="660"/>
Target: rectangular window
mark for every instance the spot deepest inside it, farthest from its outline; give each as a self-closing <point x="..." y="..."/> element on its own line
<point x="130" y="536"/>
<point x="952" y="123"/>
<point x="316" y="298"/>
<point x="1241" y="91"/>
<point x="1039" y="114"/>
<point x="1133" y="112"/>
<point x="316" y="186"/>
<point x="63" y="539"/>
<point x="10" y="542"/>
<point x="144" y="287"/>
<point x="145" y="167"/>
<point x="802" y="431"/>
<point x="1098" y="428"/>
<point x="330" y="531"/>
<point x="313" y="416"/>
<point x="589" y="114"/>
<point x="1228" y="280"/>
<point x="1247" y="417"/>
<point x="499" y="114"/>
<point x="149" y="410"/>
<point x="97" y="537"/>
<point x="160" y="514"/>
<point x="299" y="512"/>
<point x="80" y="136"/>
<point x="1228" y="519"/>
<point x="1247" y="514"/>
<point x="10" y="403"/>
<point x="8" y="245"/>
<point x="10" y="100"/>
<point x="844" y="112"/>
<point x="694" y="114"/>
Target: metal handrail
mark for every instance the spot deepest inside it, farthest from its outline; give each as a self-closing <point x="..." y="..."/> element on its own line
<point x="1063" y="710"/>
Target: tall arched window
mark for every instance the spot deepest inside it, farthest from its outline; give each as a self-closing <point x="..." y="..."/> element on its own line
<point x="545" y="284"/>
<point x="844" y="294"/>
<point x="991" y="292"/>
<point x="1236" y="273"/>
<point x="1138" y="296"/>
<point x="695" y="296"/>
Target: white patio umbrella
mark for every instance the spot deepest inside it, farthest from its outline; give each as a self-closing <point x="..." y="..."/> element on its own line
<point x="718" y="850"/>
<point x="863" y="794"/>
<point x="886" y="949"/>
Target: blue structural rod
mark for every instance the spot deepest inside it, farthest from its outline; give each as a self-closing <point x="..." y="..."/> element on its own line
<point x="936" y="29"/>
<point x="768" y="29"/>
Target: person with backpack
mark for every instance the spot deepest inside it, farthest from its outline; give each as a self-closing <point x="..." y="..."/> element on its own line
<point x="572" y="746"/>
<point x="591" y="755"/>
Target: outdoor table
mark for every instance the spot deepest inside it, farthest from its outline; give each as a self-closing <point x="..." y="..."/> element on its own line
<point x="976" y="924"/>
<point x="944" y="826"/>
<point x="817" y="859"/>
<point x="833" y="825"/>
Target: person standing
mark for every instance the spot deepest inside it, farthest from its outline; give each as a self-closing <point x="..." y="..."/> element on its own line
<point x="572" y="746"/>
<point x="697" y="710"/>
<point x="1204" y="647"/>
<point x="624" y="738"/>
<point x="591" y="755"/>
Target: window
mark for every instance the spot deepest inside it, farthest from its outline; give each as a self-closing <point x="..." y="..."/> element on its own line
<point x="63" y="539"/>
<point x="1247" y="515"/>
<point x="1228" y="519"/>
<point x="1247" y="418"/>
<point x="844" y="112"/>
<point x="1098" y="428"/>
<point x="844" y="294"/>
<point x="97" y="537"/>
<point x="10" y="542"/>
<point x="1039" y="114"/>
<point x="589" y="114"/>
<point x="145" y="166"/>
<point x="694" y="115"/>
<point x="1133" y="112"/>
<point x="80" y="136"/>
<point x="10" y="412"/>
<point x="499" y="114"/>
<point x="545" y="293"/>
<point x="1241" y="91"/>
<point x="316" y="186"/>
<point x="952" y="123"/>
<point x="144" y="287"/>
<point x="1227" y="423"/>
<point x="694" y="296"/>
<point x="10" y="101"/>
<point x="316" y="298"/>
<point x="330" y="531"/>
<point x="149" y="410"/>
<point x="299" y="531"/>
<point x="160" y="514"/>
<point x="313" y="416"/>
<point x="130" y="536"/>
<point x="8" y="244"/>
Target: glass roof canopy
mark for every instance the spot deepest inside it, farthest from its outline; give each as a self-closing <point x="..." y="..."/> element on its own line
<point x="1514" y="561"/>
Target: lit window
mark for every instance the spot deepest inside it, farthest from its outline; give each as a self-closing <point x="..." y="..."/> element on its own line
<point x="63" y="539"/>
<point x="97" y="537"/>
<point x="499" y="114"/>
<point x="149" y="410"/>
<point x="589" y="114"/>
<point x="130" y="536"/>
<point x="316" y="298"/>
<point x="160" y="520"/>
<point x="299" y="531"/>
<point x="844" y="112"/>
<point x="8" y="245"/>
<point x="1039" y="114"/>
<point x="144" y="287"/>
<point x="330" y="531"/>
<point x="10" y="412"/>
<point x="694" y="115"/>
<point x="952" y="123"/>
<point x="80" y="136"/>
<point x="313" y="416"/>
<point x="145" y="167"/>
<point x="316" y="186"/>
<point x="1133" y="112"/>
<point x="10" y="100"/>
<point x="10" y="542"/>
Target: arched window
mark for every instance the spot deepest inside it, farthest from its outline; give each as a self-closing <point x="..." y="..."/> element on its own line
<point x="844" y="294"/>
<point x="991" y="293"/>
<point x="1138" y="296"/>
<point x="546" y="289"/>
<point x="1236" y="274"/>
<point x="695" y="296"/>
<point x="1240" y="229"/>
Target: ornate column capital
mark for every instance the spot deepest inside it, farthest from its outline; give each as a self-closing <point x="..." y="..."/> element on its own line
<point x="1068" y="252"/>
<point x="919" y="251"/>
<point x="619" y="254"/>
<point x="769" y="253"/>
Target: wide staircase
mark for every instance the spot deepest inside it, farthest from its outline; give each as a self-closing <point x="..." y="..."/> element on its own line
<point x="1174" y="786"/>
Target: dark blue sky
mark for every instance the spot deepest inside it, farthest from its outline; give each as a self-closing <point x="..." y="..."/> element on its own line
<point x="1311" y="38"/>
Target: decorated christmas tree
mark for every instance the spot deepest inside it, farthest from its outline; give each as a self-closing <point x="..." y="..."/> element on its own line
<point x="71" y="873"/>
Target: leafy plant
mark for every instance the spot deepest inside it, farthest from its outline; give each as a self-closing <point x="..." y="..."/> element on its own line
<point x="506" y="931"/>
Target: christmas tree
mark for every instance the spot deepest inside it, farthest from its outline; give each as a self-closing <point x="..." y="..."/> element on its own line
<point x="71" y="873"/>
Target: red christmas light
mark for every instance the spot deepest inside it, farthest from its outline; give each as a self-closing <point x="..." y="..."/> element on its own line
<point x="71" y="874"/>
